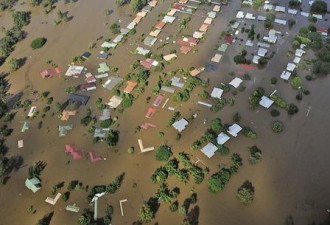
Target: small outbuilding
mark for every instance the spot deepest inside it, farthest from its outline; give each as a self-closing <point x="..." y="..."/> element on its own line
<point x="209" y="150"/>
<point x="33" y="184"/>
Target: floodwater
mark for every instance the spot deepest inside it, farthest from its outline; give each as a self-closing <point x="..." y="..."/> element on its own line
<point x="291" y="180"/>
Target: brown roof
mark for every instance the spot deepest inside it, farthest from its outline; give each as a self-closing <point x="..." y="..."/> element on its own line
<point x="130" y="86"/>
<point x="160" y="25"/>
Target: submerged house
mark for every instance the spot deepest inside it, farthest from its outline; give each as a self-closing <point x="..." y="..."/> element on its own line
<point x="180" y="125"/>
<point x="47" y="73"/>
<point x="81" y="99"/>
<point x="33" y="184"/>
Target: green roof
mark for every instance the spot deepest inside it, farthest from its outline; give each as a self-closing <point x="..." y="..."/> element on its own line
<point x="223" y="48"/>
<point x="33" y="184"/>
<point x="103" y="68"/>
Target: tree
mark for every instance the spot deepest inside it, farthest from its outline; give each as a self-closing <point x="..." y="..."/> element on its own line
<point x="13" y="64"/>
<point x="71" y="89"/>
<point x="270" y="18"/>
<point x="137" y="4"/>
<point x="216" y="125"/>
<point x="218" y="180"/>
<point x="245" y="193"/>
<point x="258" y="3"/>
<point x="120" y="2"/>
<point x="294" y="3"/>
<point x="38" y="42"/>
<point x="145" y="214"/>
<point x="35" y="2"/>
<point x="296" y="82"/>
<point x="319" y="6"/>
<point x="303" y="30"/>
<point x="21" y="18"/>
<point x="163" y="153"/>
<point x="255" y="155"/>
<point x="291" y="23"/>
<point x="115" y="28"/>
<point x="277" y="126"/>
<point x="112" y="137"/>
<point x="292" y="109"/>
<point x="312" y="28"/>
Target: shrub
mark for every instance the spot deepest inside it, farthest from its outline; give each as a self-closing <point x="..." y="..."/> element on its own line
<point x="319" y="6"/>
<point x="163" y="153"/>
<point x="106" y="123"/>
<point x="273" y="81"/>
<point x="38" y="42"/>
<point x="277" y="126"/>
<point x="255" y="155"/>
<point x="130" y="150"/>
<point x="292" y="109"/>
<point x="275" y="113"/>
<point x="245" y="193"/>
<point x="174" y="206"/>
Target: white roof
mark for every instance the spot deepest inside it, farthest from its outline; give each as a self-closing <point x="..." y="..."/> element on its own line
<point x="235" y="25"/>
<point x="170" y="57"/>
<point x="318" y="16"/>
<point x="216" y="58"/>
<point x="118" y="38"/>
<point x="180" y="125"/>
<point x="249" y="43"/>
<point x="261" y="18"/>
<point x="249" y="16"/>
<point x="296" y="60"/>
<point x="222" y="138"/>
<point x="74" y="70"/>
<point x="234" y="129"/>
<point x="216" y="92"/>
<point x="211" y="14"/>
<point x="236" y="82"/>
<point x="240" y="15"/>
<point x="263" y="44"/>
<point x="169" y="19"/>
<point x="279" y="21"/>
<point x="131" y="25"/>
<point x="292" y="11"/>
<point x="106" y="44"/>
<point x="115" y="101"/>
<point x="198" y="34"/>
<point x="262" y="52"/>
<point x="209" y="150"/>
<point x="268" y="6"/>
<point x="124" y="31"/>
<point x="216" y="8"/>
<point x="255" y="59"/>
<point x="290" y="67"/>
<point x="280" y="9"/>
<point x="305" y="14"/>
<point x="175" y="81"/>
<point x="299" y="52"/>
<point x="285" y="75"/>
<point x="142" y="51"/>
<point x="266" y="102"/>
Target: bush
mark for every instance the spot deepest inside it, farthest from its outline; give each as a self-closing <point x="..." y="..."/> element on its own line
<point x="115" y="28"/>
<point x="275" y="113"/>
<point x="106" y="123"/>
<point x="38" y="42"/>
<point x="163" y="153"/>
<point x="245" y="193"/>
<point x="174" y="206"/>
<point x="292" y="109"/>
<point x="319" y="6"/>
<point x="277" y="126"/>
<point x="130" y="150"/>
<point x="273" y="81"/>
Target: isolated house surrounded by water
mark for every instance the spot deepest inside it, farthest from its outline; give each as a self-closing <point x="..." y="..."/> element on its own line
<point x="47" y="73"/>
<point x="33" y="184"/>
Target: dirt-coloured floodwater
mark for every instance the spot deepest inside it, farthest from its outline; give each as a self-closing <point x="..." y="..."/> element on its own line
<point x="291" y="180"/>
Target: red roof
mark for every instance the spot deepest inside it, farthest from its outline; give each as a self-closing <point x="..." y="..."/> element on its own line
<point x="322" y="30"/>
<point x="158" y="100"/>
<point x="76" y="154"/>
<point x="160" y="25"/>
<point x="229" y="39"/>
<point x="147" y="63"/>
<point x="150" y="112"/>
<point x="187" y="41"/>
<point x="178" y="6"/>
<point x="47" y="73"/>
<point x="185" y="49"/>
<point x="58" y="69"/>
<point x="84" y="87"/>
<point x="94" y="157"/>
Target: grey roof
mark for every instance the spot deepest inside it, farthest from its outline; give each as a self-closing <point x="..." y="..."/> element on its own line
<point x="63" y="129"/>
<point x="167" y="89"/>
<point x="234" y="129"/>
<point x="209" y="150"/>
<point x="150" y="41"/>
<point x="124" y="31"/>
<point x="147" y="8"/>
<point x="176" y="82"/>
<point x="105" y="114"/>
<point x="222" y="138"/>
<point x="118" y="38"/>
<point x="101" y="132"/>
<point x="82" y="99"/>
<point x="180" y="125"/>
<point x="142" y="51"/>
<point x="112" y="82"/>
<point x="262" y="52"/>
<point x="266" y="102"/>
<point x="216" y="92"/>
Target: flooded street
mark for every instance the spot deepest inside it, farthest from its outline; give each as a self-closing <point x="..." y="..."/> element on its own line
<point x="291" y="180"/>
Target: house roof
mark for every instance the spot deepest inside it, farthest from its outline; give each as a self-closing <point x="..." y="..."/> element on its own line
<point x="158" y="100"/>
<point x="255" y="59"/>
<point x="172" y="12"/>
<point x="279" y="21"/>
<point x="169" y="57"/>
<point x="234" y="129"/>
<point x="236" y="82"/>
<point x="82" y="99"/>
<point x="285" y="75"/>
<point x="106" y="44"/>
<point x="180" y="125"/>
<point x="185" y="49"/>
<point x="176" y="82"/>
<point x="103" y="67"/>
<point x="222" y="138"/>
<point x="137" y="19"/>
<point x="212" y="14"/>
<point x="112" y="82"/>
<point x="63" y="129"/>
<point x="118" y="38"/>
<point x="296" y="60"/>
<point x="229" y="39"/>
<point x="131" y="25"/>
<point x="223" y="48"/>
<point x="197" y="71"/>
<point x="100" y="132"/>
<point x="33" y="184"/>
<point x="142" y="51"/>
<point x="203" y="28"/>
<point x="115" y="101"/>
<point x="86" y="55"/>
<point x="141" y="14"/>
<point x="216" y="8"/>
<point x="47" y="73"/>
<point x="160" y="25"/>
<point x="150" y="41"/>
<point x="290" y="67"/>
<point x="208" y="20"/>
<point x="153" y="3"/>
<point x="67" y="113"/>
<point x="216" y="93"/>
<point x="240" y="15"/>
<point x="266" y="102"/>
<point x="198" y="34"/>
<point x="150" y="112"/>
<point x="209" y="150"/>
<point x="169" y="19"/>
<point x="189" y="41"/>
<point x="87" y="87"/>
<point x="74" y="70"/>
<point x="216" y="58"/>
<point x="105" y="114"/>
<point x="130" y="86"/>
<point x="154" y="33"/>
<point x="262" y="52"/>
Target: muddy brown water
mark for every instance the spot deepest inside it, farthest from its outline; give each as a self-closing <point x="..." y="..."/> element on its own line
<point x="290" y="180"/>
